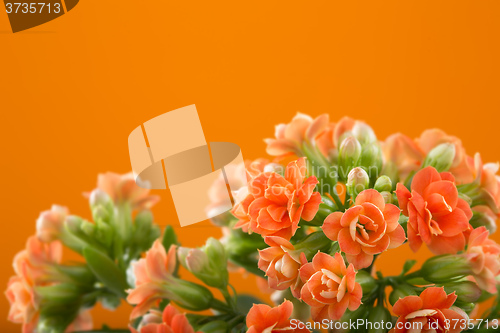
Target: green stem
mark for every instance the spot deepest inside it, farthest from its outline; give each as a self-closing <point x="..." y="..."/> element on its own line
<point x="416" y="274"/>
<point x="220" y="306"/>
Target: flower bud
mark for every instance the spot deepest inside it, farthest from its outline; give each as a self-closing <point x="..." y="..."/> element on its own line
<point x="467" y="291"/>
<point x="383" y="183"/>
<point x="274" y="167"/>
<point x="101" y="205"/>
<point x="99" y="198"/>
<point x="445" y="268"/>
<point x="441" y="157"/>
<point x="310" y="245"/>
<point x="364" y="133"/>
<point x="401" y="291"/>
<point x="483" y="219"/>
<point x="217" y="326"/>
<point x="357" y="182"/>
<point x="378" y="319"/>
<point x="189" y="295"/>
<point x="388" y="197"/>
<point x="50" y="223"/>
<point x="209" y="264"/>
<point x="349" y="154"/>
<point x="366" y="281"/>
<point x="371" y="159"/>
<point x="88" y="228"/>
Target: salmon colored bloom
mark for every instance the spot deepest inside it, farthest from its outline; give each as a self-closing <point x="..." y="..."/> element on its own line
<point x="330" y="287"/>
<point x="437" y="216"/>
<point x="369" y="227"/>
<point x="123" y="189"/>
<point x="275" y="204"/>
<point x="83" y="322"/>
<point x="281" y="265"/>
<point x="37" y="262"/>
<point x="23" y="307"/>
<point x="50" y="223"/>
<point x="403" y="154"/>
<point x="263" y="319"/>
<point x="484" y="256"/>
<point x="430" y="312"/>
<point x="171" y="321"/>
<point x="151" y="273"/>
<point x="291" y="137"/>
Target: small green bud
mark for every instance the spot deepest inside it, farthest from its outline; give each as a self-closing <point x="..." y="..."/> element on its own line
<point x="480" y="219"/>
<point x="378" y="319"/>
<point x="388" y="197"/>
<point x="401" y="291"/>
<point x="364" y="133"/>
<point x="445" y="268"/>
<point x="383" y="183"/>
<point x="371" y="159"/>
<point x="189" y="295"/>
<point x="366" y="281"/>
<point x="357" y="182"/>
<point x="441" y="157"/>
<point x="467" y="291"/>
<point x="88" y="228"/>
<point x="349" y="154"/>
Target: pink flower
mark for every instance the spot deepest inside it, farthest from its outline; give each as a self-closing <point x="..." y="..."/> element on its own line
<point x="484" y="256"/>
<point x="263" y="319"/>
<point x="330" y="287"/>
<point x="151" y="273"/>
<point x="275" y="204"/>
<point x="171" y="321"/>
<point x="430" y="312"/>
<point x="50" y="223"/>
<point x="369" y="227"/>
<point x="437" y="216"/>
<point x="123" y="189"/>
<point x="281" y="265"/>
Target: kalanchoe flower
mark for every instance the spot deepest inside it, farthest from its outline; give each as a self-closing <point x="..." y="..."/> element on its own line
<point x="154" y="281"/>
<point x="124" y="190"/>
<point x="432" y="311"/>
<point x="330" y="287"/>
<point x="357" y="181"/>
<point x="275" y="204"/>
<point x="437" y="215"/>
<point x="171" y="321"/>
<point x="369" y="227"/>
<point x="281" y="264"/>
<point x="290" y="137"/>
<point x="484" y="257"/>
<point x="263" y="319"/>
<point x="441" y="157"/>
<point x="402" y="154"/>
<point x="23" y="307"/>
<point x="50" y="223"/>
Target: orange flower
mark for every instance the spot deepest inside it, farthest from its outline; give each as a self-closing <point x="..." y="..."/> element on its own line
<point x="291" y="137"/>
<point x="402" y="153"/>
<point x="23" y="308"/>
<point x="151" y="273"/>
<point x="281" y="265"/>
<point x="429" y="312"/>
<point x="437" y="216"/>
<point x="369" y="227"/>
<point x="330" y="288"/>
<point x="484" y="256"/>
<point x="275" y="204"/>
<point x="123" y="189"/>
<point x="262" y="318"/>
<point x="50" y="223"/>
<point x="171" y="321"/>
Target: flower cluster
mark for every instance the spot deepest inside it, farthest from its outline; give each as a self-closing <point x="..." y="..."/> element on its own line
<point x="310" y="224"/>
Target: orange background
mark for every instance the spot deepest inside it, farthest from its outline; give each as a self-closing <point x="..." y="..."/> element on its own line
<point x="73" y="89"/>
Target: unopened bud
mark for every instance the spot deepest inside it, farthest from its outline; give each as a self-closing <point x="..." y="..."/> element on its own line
<point x="88" y="228"/>
<point x="189" y="295"/>
<point x="467" y="291"/>
<point x="310" y="245"/>
<point x="441" y="157"/>
<point x="366" y="281"/>
<point x="371" y="159"/>
<point x="401" y="291"/>
<point x="445" y="268"/>
<point x="364" y="133"/>
<point x="383" y="183"/>
<point x="349" y="154"/>
<point x="388" y="197"/>
<point x="357" y="181"/>
<point x="484" y="219"/>
<point x="379" y="317"/>
<point x="99" y="197"/>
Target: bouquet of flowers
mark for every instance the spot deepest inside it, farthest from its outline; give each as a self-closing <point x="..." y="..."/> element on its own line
<point x="310" y="224"/>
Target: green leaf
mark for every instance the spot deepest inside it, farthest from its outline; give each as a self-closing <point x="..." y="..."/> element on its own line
<point x="245" y="302"/>
<point x="408" y="265"/>
<point x="106" y="271"/>
<point x="169" y="238"/>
